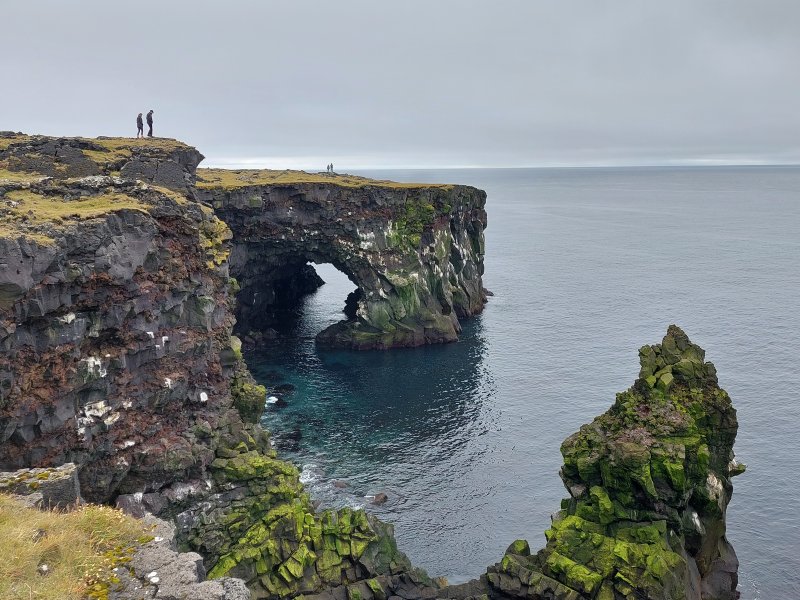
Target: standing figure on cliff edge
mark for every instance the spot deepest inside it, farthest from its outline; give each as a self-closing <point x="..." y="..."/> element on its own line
<point x="150" y="123"/>
<point x="139" y="126"/>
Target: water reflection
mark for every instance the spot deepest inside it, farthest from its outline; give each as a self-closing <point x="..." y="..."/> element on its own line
<point x="382" y="421"/>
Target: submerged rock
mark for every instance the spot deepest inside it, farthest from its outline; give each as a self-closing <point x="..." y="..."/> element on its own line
<point x="380" y="498"/>
<point x="649" y="483"/>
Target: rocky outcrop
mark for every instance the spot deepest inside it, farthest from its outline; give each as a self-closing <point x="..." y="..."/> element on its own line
<point x="649" y="484"/>
<point x="158" y="161"/>
<point x="157" y="570"/>
<point x="46" y="488"/>
<point x="414" y="251"/>
<point x="115" y="321"/>
<point x="116" y="315"/>
<point x="254" y="521"/>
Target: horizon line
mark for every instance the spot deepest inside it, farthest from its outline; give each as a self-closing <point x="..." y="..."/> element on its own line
<point x="284" y="165"/>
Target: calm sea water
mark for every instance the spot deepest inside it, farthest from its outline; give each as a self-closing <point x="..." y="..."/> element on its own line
<point x="586" y="266"/>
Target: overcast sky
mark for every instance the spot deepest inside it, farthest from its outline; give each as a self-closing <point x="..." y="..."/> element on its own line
<point x="414" y="83"/>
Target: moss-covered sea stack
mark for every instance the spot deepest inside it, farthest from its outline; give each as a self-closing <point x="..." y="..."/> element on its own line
<point x="649" y="483"/>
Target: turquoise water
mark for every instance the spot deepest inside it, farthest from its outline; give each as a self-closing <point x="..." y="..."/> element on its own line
<point x="586" y="266"/>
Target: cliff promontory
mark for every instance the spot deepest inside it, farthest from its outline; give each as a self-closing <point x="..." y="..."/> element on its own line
<point x="116" y="322"/>
<point x="414" y="251"/>
<point x="118" y="298"/>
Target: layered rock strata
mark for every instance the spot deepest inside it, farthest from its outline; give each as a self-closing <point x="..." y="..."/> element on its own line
<point x="649" y="484"/>
<point x="415" y="252"/>
<point x="116" y="315"/>
<point x="115" y="324"/>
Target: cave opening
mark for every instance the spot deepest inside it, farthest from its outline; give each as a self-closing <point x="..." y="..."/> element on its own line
<point x="333" y="301"/>
<point x="299" y="299"/>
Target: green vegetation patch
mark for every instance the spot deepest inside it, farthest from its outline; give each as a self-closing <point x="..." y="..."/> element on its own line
<point x="21" y="138"/>
<point x="239" y="178"/>
<point x="117" y="151"/>
<point x="80" y="549"/>
<point x="42" y="208"/>
<point x="19" y="176"/>
<point x="32" y="215"/>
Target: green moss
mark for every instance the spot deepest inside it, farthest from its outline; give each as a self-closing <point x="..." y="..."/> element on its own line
<point x="575" y="575"/>
<point x="519" y="547"/>
<point x="248" y="397"/>
<point x="640" y="462"/>
<point x="250" y="465"/>
<point x="214" y="238"/>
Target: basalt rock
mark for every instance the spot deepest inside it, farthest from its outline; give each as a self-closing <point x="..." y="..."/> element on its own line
<point x="117" y="355"/>
<point x="44" y="488"/>
<point x="414" y="251"/>
<point x="115" y="318"/>
<point x="649" y="484"/>
<point x="158" y="161"/>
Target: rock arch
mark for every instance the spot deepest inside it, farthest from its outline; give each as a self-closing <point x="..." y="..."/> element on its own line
<point x="414" y="251"/>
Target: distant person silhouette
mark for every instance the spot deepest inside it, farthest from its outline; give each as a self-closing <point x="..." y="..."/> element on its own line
<point x="331" y="167"/>
<point x="150" y="123"/>
<point x="139" y="126"/>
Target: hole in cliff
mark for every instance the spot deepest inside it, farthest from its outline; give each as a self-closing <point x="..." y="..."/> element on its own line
<point x="298" y="299"/>
<point x="333" y="302"/>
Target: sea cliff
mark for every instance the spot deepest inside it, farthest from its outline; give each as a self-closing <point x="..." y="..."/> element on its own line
<point x="414" y="251"/>
<point x="122" y="273"/>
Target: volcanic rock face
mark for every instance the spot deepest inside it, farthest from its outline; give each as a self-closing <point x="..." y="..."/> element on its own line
<point x="649" y="483"/>
<point x="115" y="319"/>
<point x="161" y="162"/>
<point x="414" y="251"/>
<point x="116" y="354"/>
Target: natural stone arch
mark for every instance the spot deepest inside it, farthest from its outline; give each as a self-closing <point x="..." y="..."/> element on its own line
<point x="414" y="252"/>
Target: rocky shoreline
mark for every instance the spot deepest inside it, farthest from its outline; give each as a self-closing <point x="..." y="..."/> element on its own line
<point x="117" y="311"/>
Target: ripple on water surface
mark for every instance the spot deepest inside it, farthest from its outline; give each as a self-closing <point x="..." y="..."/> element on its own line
<point x="586" y="265"/>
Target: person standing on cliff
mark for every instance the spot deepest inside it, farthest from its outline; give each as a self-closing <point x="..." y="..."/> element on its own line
<point x="139" y="126"/>
<point x="150" y="123"/>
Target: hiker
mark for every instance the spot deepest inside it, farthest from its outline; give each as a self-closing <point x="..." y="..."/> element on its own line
<point x="150" y="123"/>
<point x="139" y="126"/>
<point x="331" y="167"/>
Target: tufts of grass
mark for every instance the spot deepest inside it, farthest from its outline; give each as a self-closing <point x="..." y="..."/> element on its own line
<point x="80" y="549"/>
<point x="230" y="178"/>
<point x="118" y="150"/>
<point x="33" y="215"/>
<point x="41" y="208"/>
<point x="5" y="142"/>
<point x="19" y="176"/>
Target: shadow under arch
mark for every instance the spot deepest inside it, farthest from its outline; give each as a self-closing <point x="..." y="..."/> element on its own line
<point x="272" y="285"/>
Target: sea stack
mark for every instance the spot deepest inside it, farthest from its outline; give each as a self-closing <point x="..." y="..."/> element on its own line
<point x="649" y="483"/>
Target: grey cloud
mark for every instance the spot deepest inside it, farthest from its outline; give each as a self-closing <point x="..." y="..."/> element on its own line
<point x="415" y="83"/>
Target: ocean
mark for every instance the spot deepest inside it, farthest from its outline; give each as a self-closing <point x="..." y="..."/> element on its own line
<point x="586" y="266"/>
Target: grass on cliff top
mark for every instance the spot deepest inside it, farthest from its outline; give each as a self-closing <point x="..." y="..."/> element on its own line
<point x="6" y="141"/>
<point x="35" y="214"/>
<point x="34" y="207"/>
<point x="109" y="149"/>
<point x="230" y="179"/>
<point x="120" y="149"/>
<point x="79" y="548"/>
<point x="18" y="176"/>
